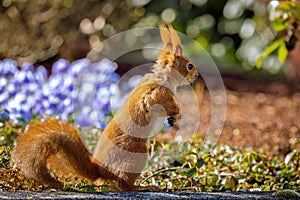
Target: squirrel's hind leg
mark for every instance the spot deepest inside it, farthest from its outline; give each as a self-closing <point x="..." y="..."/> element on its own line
<point x="41" y="174"/>
<point x="46" y="179"/>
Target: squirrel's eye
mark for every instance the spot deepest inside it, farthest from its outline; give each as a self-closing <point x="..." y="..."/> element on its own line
<point x="190" y="66"/>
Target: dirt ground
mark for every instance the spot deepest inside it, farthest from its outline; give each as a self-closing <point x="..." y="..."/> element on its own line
<point x="261" y="114"/>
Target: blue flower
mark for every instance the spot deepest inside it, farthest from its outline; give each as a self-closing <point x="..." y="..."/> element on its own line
<point x="82" y="89"/>
<point x="8" y="67"/>
<point x="41" y="74"/>
<point x="60" y="66"/>
<point x="26" y="66"/>
<point x="77" y="66"/>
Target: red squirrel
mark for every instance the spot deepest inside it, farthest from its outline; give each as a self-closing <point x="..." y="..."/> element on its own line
<point x="53" y="148"/>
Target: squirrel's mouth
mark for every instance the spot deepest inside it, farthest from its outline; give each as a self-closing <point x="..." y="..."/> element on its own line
<point x="194" y="77"/>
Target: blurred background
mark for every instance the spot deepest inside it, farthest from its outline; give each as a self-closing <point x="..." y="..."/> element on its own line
<point x="234" y="32"/>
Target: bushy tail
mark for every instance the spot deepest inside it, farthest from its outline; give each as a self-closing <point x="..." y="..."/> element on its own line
<point x="54" y="147"/>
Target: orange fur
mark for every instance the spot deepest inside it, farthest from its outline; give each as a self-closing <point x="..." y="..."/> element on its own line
<point x="57" y="145"/>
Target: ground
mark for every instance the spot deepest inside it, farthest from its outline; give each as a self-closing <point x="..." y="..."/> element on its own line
<point x="261" y="114"/>
<point x="140" y="195"/>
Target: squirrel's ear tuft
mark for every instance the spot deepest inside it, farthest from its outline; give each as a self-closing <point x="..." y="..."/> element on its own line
<point x="170" y="39"/>
<point x="165" y="36"/>
<point x="176" y="43"/>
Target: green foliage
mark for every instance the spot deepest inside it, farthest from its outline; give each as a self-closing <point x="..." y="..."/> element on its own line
<point x="284" y="18"/>
<point x="200" y="167"/>
<point x="277" y="45"/>
<point x="8" y="132"/>
<point x="289" y="11"/>
<point x="220" y="168"/>
<point x="81" y="185"/>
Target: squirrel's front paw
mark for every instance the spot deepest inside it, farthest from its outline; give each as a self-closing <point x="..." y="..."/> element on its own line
<point x="171" y="120"/>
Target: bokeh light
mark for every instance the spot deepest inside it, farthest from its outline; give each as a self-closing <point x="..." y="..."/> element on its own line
<point x="168" y="15"/>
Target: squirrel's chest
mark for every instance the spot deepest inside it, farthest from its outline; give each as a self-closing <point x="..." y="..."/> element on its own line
<point x="143" y="114"/>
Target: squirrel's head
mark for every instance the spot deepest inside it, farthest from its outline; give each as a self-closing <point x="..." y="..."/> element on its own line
<point x="171" y="54"/>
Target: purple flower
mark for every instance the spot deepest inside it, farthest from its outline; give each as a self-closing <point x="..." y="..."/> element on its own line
<point x="60" y="66"/>
<point x="8" y="67"/>
<point x="78" y="65"/>
<point x="3" y="82"/>
<point x="26" y="66"/>
<point x="81" y="87"/>
<point x="41" y="74"/>
<point x="3" y="97"/>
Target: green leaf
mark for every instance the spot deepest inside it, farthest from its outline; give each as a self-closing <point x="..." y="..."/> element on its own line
<point x="275" y="45"/>
<point x="191" y="172"/>
<point x="200" y="163"/>
<point x="292" y="9"/>
<point x="259" y="62"/>
<point x="205" y="157"/>
<point x="180" y="171"/>
<point x="282" y="53"/>
<point x="211" y="180"/>
<point x="286" y="6"/>
<point x="267" y="188"/>
<point x="289" y="156"/>
<point x="270" y="49"/>
<point x="192" y="153"/>
<point x="278" y="25"/>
